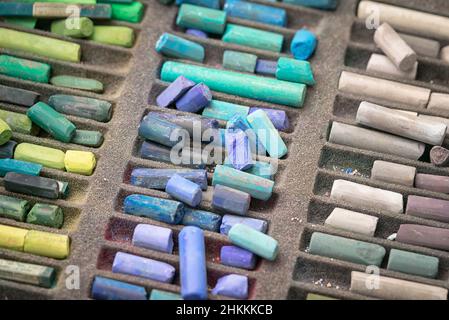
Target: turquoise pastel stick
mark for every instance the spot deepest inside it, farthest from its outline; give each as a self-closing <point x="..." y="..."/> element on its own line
<point x="259" y="168"/>
<point x="267" y="134"/>
<point x="255" y="241"/>
<point x="222" y="110"/>
<point x="318" y="4"/>
<point x="164" y="295"/>
<point x="18" y="166"/>
<point x="239" y="61"/>
<point x="177" y="47"/>
<point x="239" y="84"/>
<point x="254" y="38"/>
<point x="413" y="263"/>
<point x="214" y="4"/>
<point x="295" y="71"/>
<point x="257" y="187"/>
<point x="164" y="210"/>
<point x="201" y="18"/>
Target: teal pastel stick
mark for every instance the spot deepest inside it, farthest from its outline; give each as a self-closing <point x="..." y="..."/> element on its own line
<point x="239" y="61"/>
<point x="202" y="219"/>
<point x="164" y="295"/>
<point x="201" y="18"/>
<point x="254" y="241"/>
<point x="261" y="169"/>
<point x="267" y="134"/>
<point x="164" y="210"/>
<point x="24" y="69"/>
<point x="318" y="4"/>
<point x="16" y="9"/>
<point x="239" y="84"/>
<point x="293" y="70"/>
<point x="257" y="187"/>
<point x="222" y="110"/>
<point x="18" y="166"/>
<point x="413" y="263"/>
<point x="254" y="38"/>
<point x="350" y="250"/>
<point x="177" y="47"/>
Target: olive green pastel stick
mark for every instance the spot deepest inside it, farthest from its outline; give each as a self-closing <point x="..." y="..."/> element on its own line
<point x="33" y="274"/>
<point x="23" y="22"/>
<point x="77" y="83"/>
<point x="48" y="157"/>
<point x="24" y="69"/>
<point x="5" y="132"/>
<point x="113" y="35"/>
<point x="46" y="215"/>
<point x="19" y="122"/>
<point x="130" y="12"/>
<point x="75" y="28"/>
<point x="40" y="45"/>
<point x="88" y="138"/>
<point x="13" y="208"/>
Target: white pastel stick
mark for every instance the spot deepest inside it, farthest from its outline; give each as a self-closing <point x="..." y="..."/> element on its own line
<point x="387" y="90"/>
<point x="445" y="54"/>
<point x="422" y="46"/>
<point x="391" y="121"/>
<point x="439" y="102"/>
<point x="367" y="139"/>
<point x="394" y="289"/>
<point x="395" y="173"/>
<point x="406" y="20"/>
<point x="438" y="120"/>
<point x="383" y="65"/>
<point x="410" y="114"/>
<point x="352" y="221"/>
<point x="395" y="48"/>
<point x="366" y="197"/>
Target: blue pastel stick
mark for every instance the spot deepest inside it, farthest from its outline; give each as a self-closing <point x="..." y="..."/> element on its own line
<point x="153" y="237"/>
<point x="238" y="147"/>
<point x="214" y="4"/>
<point x="109" y="289"/>
<point x="192" y="264"/>
<point x="18" y="166"/>
<point x="240" y="122"/>
<point x="197" y="33"/>
<point x="230" y="200"/>
<point x="318" y="4"/>
<point x="232" y="285"/>
<point x="164" y="210"/>
<point x="177" y="47"/>
<point x="256" y="12"/>
<point x="184" y="190"/>
<point x="195" y="99"/>
<point x="266" y="67"/>
<point x="142" y="267"/>
<point x="154" y="128"/>
<point x="154" y="151"/>
<point x="163" y="295"/>
<point x="158" y="178"/>
<point x="303" y="44"/>
<point x="202" y="219"/>
<point x="228" y="221"/>
<point x="174" y="91"/>
<point x="237" y="257"/>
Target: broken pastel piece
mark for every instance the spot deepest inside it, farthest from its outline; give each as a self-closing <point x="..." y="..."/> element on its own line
<point x="80" y="83"/>
<point x="266" y="67"/>
<point x="23" y="68"/>
<point x="114" y="35"/>
<point x="82" y="27"/>
<point x="233" y="285"/>
<point x="88" y="138"/>
<point x="5" y="132"/>
<point x="109" y="289"/>
<point x="184" y="190"/>
<point x="84" y="107"/>
<point x="230" y="200"/>
<point x="278" y="117"/>
<point x="237" y="257"/>
<point x="195" y="99"/>
<point x="239" y="149"/>
<point x="81" y="162"/>
<point x="294" y="70"/>
<point x="222" y="110"/>
<point x="239" y="61"/>
<point x="158" y="178"/>
<point x="202" y="219"/>
<point x="153" y="237"/>
<point x="168" y="211"/>
<point x="31" y="185"/>
<point x="228" y="221"/>
<point x="174" y="91"/>
<point x="197" y="33"/>
<point x="14" y="208"/>
<point x="176" y="47"/>
<point x="201" y="18"/>
<point x="18" y="96"/>
<point x="7" y="149"/>
<point x="303" y="44"/>
<point x="28" y="273"/>
<point x="46" y="215"/>
<point x="164" y="295"/>
<point x="155" y="128"/>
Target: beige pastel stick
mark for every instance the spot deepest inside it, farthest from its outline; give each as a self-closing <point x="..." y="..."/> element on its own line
<point x="395" y="48"/>
<point x="394" y="289"/>
<point x="387" y="90"/>
<point x="383" y="65"/>
<point x="352" y="221"/>
<point x="395" y="173"/>
<point x="406" y="20"/>
<point x="445" y="54"/>
<point x="422" y="46"/>
<point x="366" y="197"/>
<point x="367" y="139"/>
<point x="438" y="120"/>
<point x="439" y="102"/>
<point x="391" y="121"/>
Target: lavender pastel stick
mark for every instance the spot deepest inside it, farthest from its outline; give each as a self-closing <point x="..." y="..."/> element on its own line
<point x="142" y="267"/>
<point x="197" y="33"/>
<point x="237" y="257"/>
<point x="266" y="67"/>
<point x="279" y="118"/>
<point x="174" y="91"/>
<point x="239" y="149"/>
<point x="432" y="182"/>
<point x="230" y="200"/>
<point x="158" y="178"/>
<point x="195" y="99"/>
<point x="233" y="285"/>
<point x="184" y="190"/>
<point x="428" y="208"/>
<point x="228" y="221"/>
<point x="153" y="237"/>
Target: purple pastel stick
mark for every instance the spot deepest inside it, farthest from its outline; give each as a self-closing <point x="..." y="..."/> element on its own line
<point x="432" y="182"/>
<point x="230" y="200"/>
<point x="174" y="91"/>
<point x="195" y="99"/>
<point x="428" y="208"/>
<point x="278" y="117"/>
<point x="233" y="285"/>
<point x="230" y="220"/>
<point x="197" y="33"/>
<point x="267" y="67"/>
<point x="237" y="257"/>
<point x="184" y="190"/>
<point x="153" y="237"/>
<point x="239" y="149"/>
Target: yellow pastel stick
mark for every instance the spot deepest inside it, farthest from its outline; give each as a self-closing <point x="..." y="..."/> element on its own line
<point x="47" y="244"/>
<point x="82" y="162"/>
<point x="12" y="238"/>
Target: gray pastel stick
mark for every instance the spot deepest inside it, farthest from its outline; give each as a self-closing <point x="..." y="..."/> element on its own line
<point x="428" y="208"/>
<point x="391" y="121"/>
<point x="393" y="173"/>
<point x="432" y="182"/>
<point x="383" y="65"/>
<point x="422" y="46"/>
<point x="430" y="237"/>
<point x="352" y="221"/>
<point x="18" y="96"/>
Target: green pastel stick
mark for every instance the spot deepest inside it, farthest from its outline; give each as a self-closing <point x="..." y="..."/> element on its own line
<point x="300" y="71"/>
<point x="33" y="274"/>
<point x="132" y="12"/>
<point x="24" y="69"/>
<point x="254" y="38"/>
<point x="40" y="45"/>
<point x="314" y="296"/>
<point x="19" y="122"/>
<point x="48" y="157"/>
<point x="205" y="19"/>
<point x="239" y="61"/>
<point x="84" y="107"/>
<point x="413" y="263"/>
<point x="46" y="215"/>
<point x="115" y="1"/>
<point x="63" y="1"/>
<point x="5" y="132"/>
<point x="88" y="138"/>
<point x="23" y="22"/>
<point x="77" y="83"/>
<point x="79" y="28"/>
<point x="113" y="35"/>
<point x="13" y="208"/>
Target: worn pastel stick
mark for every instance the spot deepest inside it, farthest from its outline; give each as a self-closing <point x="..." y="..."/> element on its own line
<point x="202" y="219"/>
<point x="428" y="208"/>
<point x="191" y="123"/>
<point x="254" y="241"/>
<point x="422" y="46"/>
<point x="47" y="244"/>
<point x="214" y="4"/>
<point x="88" y="138"/>
<point x="63" y="189"/>
<point x="168" y="211"/>
<point x="7" y="149"/>
<point x="81" y="162"/>
<point x="222" y="110"/>
<point x="432" y="182"/>
<point x="201" y="18"/>
<point x="157" y="152"/>
<point x="109" y="289"/>
<point x="5" y="132"/>
<point x="238" y="149"/>
<point x="129" y="12"/>
<point x="52" y="122"/>
<point x="174" y="91"/>
<point x="430" y="237"/>
<point x="192" y="264"/>
<point x="413" y="263"/>
<point x="153" y="237"/>
<point x="177" y="47"/>
<point x="439" y="156"/>
<point x="143" y="267"/>
<point x="31" y="185"/>
<point x="295" y="71"/>
<point x="318" y="4"/>
<point x="26" y="22"/>
<point x="256" y="12"/>
<point x="303" y="44"/>
<point x="154" y="128"/>
<point x="346" y="249"/>
<point x="114" y="35"/>
<point x="228" y="221"/>
<point x="84" y="107"/>
<point x="12" y="238"/>
<point x="240" y="123"/>
<point x="243" y="85"/>
<point x="13" y="208"/>
<point x="237" y="257"/>
<point x="46" y="215"/>
<point x="24" y="69"/>
<point x="232" y="285"/>
<point x="230" y="200"/>
<point x="254" y="38"/>
<point x="393" y="173"/>
<point x="261" y="169"/>
<point x="278" y="117"/>
<point x="18" y="96"/>
<point x="184" y="190"/>
<point x="352" y="221"/>
<point x="40" y="45"/>
<point x="28" y="273"/>
<point x="80" y="83"/>
<point x="313" y="296"/>
<point x="81" y="28"/>
<point x="195" y="99"/>
<point x="197" y="33"/>
<point x="239" y="61"/>
<point x="266" y="67"/>
<point x="164" y="295"/>
<point x="48" y="157"/>
<point x="158" y="178"/>
<point x="19" y="122"/>
<point x="382" y="64"/>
